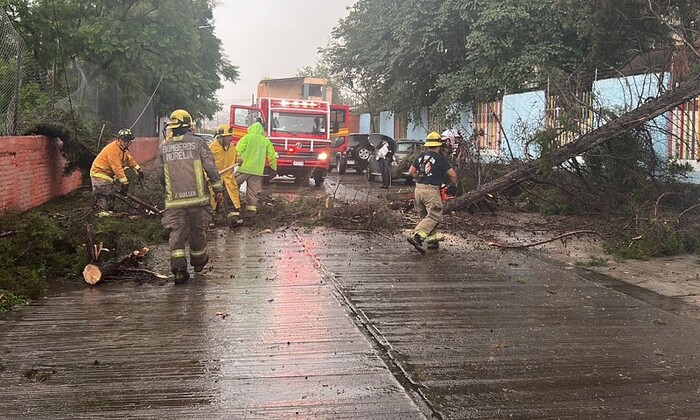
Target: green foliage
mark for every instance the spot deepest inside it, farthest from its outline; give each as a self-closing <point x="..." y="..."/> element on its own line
<point x="552" y="203"/>
<point x="137" y="45"/>
<point x="36" y="247"/>
<point x="621" y="176"/>
<point x="658" y="238"/>
<point x="48" y="243"/>
<point x="546" y="142"/>
<point x="404" y="55"/>
<point x="9" y="300"/>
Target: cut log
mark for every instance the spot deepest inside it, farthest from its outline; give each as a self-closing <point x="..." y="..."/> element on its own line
<point x="92" y="274"/>
<point x="597" y="137"/>
<point x="97" y="271"/>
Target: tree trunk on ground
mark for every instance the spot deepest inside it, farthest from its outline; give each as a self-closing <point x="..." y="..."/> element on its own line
<point x="600" y="135"/>
<point x="96" y="270"/>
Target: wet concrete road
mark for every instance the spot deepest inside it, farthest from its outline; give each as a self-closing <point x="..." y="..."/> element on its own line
<point x="325" y="324"/>
<point x="484" y="333"/>
<point x="280" y="346"/>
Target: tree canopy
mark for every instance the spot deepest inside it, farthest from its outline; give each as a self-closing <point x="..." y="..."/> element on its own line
<point x="403" y="55"/>
<point x="137" y="44"/>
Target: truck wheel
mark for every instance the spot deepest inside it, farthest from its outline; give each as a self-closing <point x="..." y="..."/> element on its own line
<point x="318" y="179"/>
<point x="341" y="165"/>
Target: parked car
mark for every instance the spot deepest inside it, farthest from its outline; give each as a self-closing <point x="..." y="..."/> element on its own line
<point x="339" y="154"/>
<point x="357" y="152"/>
<point x="406" y="149"/>
<point x="207" y="137"/>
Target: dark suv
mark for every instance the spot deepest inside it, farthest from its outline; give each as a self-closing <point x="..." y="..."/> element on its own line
<point x="351" y="152"/>
<point x="359" y="150"/>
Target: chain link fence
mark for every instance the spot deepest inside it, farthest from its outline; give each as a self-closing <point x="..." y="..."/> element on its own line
<point x="28" y="93"/>
<point x="12" y="56"/>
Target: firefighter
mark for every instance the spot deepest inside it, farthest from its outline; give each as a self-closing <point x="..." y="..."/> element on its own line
<point x="107" y="172"/>
<point x="253" y="149"/>
<point x="226" y="158"/>
<point x="428" y="170"/>
<point x="183" y="163"/>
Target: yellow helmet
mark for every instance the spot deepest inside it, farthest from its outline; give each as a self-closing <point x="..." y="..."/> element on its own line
<point x="224" y="130"/>
<point x="433" y="140"/>
<point x="125" y="134"/>
<point x="179" y="119"/>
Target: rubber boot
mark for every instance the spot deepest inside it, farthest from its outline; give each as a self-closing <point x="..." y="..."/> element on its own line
<point x="181" y="277"/>
<point x="417" y="241"/>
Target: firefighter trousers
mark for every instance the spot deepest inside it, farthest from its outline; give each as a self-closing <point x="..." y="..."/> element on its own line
<point x="429" y="206"/>
<point x="253" y="189"/>
<point x="187" y="225"/>
<point x="104" y="192"/>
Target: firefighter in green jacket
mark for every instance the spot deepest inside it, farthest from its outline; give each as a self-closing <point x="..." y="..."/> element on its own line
<point x="183" y="164"/>
<point x="253" y="149"/>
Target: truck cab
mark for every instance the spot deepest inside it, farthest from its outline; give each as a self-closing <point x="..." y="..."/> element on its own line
<point x="298" y="129"/>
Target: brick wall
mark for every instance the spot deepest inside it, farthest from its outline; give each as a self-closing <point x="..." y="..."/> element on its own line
<point x="31" y="170"/>
<point x="144" y="149"/>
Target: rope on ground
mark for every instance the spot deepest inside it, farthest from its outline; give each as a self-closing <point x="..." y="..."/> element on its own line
<point x="563" y="235"/>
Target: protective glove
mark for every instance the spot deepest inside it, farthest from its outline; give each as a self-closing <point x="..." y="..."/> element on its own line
<point x="273" y="173"/>
<point x="452" y="190"/>
<point x="140" y="173"/>
<point x="124" y="188"/>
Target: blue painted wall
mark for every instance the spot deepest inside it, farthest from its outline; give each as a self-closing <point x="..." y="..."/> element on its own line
<point x="364" y="124"/>
<point x="418" y="131"/>
<point x="386" y="123"/>
<point x="523" y="116"/>
<point x="624" y="94"/>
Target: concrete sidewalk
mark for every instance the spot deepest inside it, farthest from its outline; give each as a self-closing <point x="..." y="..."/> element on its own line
<point x="318" y="323"/>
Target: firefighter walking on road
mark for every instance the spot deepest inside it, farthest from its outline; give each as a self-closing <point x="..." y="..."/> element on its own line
<point x="107" y="172"/>
<point x="429" y="170"/>
<point x="253" y="149"/>
<point x="183" y="163"/>
<point x="226" y="158"/>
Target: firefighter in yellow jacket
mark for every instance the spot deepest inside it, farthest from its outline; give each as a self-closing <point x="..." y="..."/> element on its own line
<point x="183" y="164"/>
<point x="226" y="158"/>
<point x="107" y="171"/>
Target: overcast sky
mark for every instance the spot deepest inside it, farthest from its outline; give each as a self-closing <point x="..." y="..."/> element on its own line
<point x="272" y="38"/>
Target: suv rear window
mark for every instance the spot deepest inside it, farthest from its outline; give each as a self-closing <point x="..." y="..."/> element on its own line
<point x="355" y="139"/>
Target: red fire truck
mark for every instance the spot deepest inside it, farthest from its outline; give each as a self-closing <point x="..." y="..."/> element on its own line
<point x="299" y="129"/>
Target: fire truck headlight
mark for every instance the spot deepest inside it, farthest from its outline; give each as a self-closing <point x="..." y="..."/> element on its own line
<point x="322" y="156"/>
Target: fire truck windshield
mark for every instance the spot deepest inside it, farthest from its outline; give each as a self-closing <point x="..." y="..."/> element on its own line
<point x="298" y="123"/>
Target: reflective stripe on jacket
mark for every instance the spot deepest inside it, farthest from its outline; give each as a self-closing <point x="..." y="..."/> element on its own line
<point x="111" y="161"/>
<point x="182" y="165"/>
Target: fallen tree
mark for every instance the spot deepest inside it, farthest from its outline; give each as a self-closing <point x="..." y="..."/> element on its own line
<point x="594" y="138"/>
<point x="99" y="269"/>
